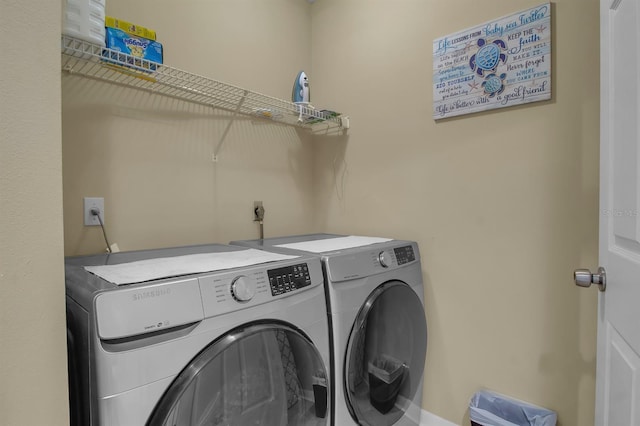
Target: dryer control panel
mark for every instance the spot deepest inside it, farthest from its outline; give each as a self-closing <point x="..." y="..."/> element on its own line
<point x="397" y="257"/>
<point x="356" y="263"/>
<point x="288" y="278"/>
<point x="404" y="254"/>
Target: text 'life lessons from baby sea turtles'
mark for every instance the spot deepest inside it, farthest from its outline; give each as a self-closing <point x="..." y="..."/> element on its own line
<point x="497" y="64"/>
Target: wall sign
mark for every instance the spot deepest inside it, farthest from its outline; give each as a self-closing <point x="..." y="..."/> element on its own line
<point x="497" y="64"/>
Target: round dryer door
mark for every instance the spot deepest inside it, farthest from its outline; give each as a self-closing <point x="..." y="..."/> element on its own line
<point x="260" y="374"/>
<point x="385" y="355"/>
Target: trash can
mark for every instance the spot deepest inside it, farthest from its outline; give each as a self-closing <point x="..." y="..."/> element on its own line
<point x="386" y="375"/>
<point x="492" y="409"/>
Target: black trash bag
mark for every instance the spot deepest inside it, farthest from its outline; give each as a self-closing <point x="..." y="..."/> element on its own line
<point x="492" y="409"/>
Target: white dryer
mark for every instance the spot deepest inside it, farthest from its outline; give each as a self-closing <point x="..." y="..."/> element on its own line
<point x="210" y="334"/>
<point x="377" y="321"/>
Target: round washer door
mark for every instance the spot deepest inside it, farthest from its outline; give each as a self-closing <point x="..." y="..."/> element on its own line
<point x="385" y="355"/>
<point x="259" y="374"/>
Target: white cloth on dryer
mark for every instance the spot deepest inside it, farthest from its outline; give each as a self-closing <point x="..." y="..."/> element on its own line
<point x="333" y="244"/>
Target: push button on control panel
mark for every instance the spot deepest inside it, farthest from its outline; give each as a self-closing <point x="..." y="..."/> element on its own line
<point x="289" y="278"/>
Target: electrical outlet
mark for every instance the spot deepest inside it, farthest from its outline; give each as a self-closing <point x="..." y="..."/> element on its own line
<point x="258" y="211"/>
<point x="90" y="203"/>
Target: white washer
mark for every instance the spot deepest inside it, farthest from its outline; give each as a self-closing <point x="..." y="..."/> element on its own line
<point x="377" y="322"/>
<point x="244" y="346"/>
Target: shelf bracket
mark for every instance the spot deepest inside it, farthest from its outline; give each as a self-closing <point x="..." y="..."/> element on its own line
<point x="226" y="129"/>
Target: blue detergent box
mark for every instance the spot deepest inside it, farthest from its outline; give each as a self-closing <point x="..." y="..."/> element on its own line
<point x="140" y="49"/>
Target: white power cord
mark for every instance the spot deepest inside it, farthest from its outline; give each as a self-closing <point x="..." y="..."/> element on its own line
<point x="96" y="212"/>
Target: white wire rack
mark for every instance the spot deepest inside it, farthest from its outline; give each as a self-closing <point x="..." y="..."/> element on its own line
<point x="93" y="61"/>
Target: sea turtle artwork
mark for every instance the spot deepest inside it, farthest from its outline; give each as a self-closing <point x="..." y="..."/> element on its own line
<point x="488" y="56"/>
<point x="494" y="84"/>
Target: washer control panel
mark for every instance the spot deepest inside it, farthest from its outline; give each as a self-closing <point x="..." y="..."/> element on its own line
<point x="288" y="278"/>
<point x="228" y="291"/>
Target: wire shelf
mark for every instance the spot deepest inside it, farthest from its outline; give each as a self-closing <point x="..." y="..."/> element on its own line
<point x="97" y="62"/>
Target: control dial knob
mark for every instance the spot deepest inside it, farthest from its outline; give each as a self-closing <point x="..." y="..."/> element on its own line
<point x="384" y="259"/>
<point x="243" y="288"/>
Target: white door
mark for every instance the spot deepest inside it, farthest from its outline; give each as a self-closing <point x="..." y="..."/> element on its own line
<point x="618" y="366"/>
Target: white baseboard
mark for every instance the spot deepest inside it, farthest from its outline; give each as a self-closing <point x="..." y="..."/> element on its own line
<point x="429" y="419"/>
<point x="412" y="411"/>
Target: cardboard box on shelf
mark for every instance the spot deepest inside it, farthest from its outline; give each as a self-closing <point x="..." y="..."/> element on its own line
<point x="133" y="29"/>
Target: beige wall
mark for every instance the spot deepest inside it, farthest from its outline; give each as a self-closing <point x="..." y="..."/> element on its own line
<point x="33" y="367"/>
<point x="150" y="156"/>
<point x="503" y="203"/>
